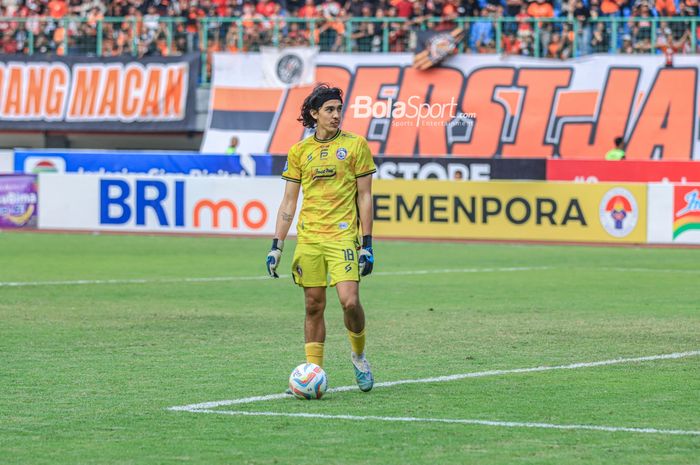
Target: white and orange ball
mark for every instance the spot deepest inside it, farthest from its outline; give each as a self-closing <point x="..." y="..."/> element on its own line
<point x="308" y="381"/>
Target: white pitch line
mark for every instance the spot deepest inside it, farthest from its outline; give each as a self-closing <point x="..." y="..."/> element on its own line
<point x="507" y="424"/>
<point x="648" y="270"/>
<point x="257" y="278"/>
<point x="442" y="379"/>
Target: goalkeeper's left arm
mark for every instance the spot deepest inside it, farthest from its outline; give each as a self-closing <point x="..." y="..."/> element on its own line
<point x="364" y="203"/>
<point x="285" y="216"/>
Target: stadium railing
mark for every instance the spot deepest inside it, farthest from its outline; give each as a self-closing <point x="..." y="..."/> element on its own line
<point x="537" y="37"/>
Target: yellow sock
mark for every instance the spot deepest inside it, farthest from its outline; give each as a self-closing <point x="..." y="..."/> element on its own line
<point x="357" y="341"/>
<point x="314" y="353"/>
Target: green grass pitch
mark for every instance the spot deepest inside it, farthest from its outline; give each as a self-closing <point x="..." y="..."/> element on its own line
<point x="88" y="370"/>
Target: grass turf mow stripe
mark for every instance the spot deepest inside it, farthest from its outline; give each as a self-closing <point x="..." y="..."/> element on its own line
<point x="206" y="407"/>
<point x="79" y="282"/>
<point x="505" y="424"/>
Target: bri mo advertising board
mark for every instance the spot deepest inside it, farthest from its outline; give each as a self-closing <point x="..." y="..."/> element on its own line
<point x="175" y="204"/>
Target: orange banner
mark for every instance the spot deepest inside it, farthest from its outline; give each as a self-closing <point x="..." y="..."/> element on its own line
<point x="90" y="93"/>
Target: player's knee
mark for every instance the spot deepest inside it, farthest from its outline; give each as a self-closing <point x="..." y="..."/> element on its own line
<point x="315" y="306"/>
<point x="351" y="304"/>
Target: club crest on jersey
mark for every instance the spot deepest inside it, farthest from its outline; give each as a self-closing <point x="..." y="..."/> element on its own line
<point x="341" y="153"/>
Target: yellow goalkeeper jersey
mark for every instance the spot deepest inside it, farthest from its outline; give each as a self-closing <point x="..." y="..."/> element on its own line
<point x="328" y="171"/>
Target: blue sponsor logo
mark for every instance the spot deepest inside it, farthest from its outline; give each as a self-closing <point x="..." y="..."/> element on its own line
<point x="117" y="206"/>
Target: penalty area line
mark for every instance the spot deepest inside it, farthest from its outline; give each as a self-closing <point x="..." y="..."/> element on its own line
<point x="206" y="407"/>
<point x="442" y="379"/>
<point x="506" y="424"/>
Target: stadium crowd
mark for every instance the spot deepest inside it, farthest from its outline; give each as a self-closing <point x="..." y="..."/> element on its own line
<point x="166" y="27"/>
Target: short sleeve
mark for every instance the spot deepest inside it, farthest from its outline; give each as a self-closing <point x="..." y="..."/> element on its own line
<point x="291" y="171"/>
<point x="364" y="164"/>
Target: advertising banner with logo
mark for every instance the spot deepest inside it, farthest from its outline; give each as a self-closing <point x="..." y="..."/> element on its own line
<point x="625" y="171"/>
<point x="674" y="213"/>
<point x="477" y="106"/>
<point x="153" y="163"/>
<point x="169" y="204"/>
<point x="511" y="211"/>
<point x="18" y="201"/>
<point x="98" y="94"/>
<point x="468" y="169"/>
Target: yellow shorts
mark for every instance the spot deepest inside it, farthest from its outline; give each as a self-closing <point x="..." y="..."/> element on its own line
<point x="313" y="263"/>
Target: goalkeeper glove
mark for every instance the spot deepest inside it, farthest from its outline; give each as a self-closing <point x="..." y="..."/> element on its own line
<point x="274" y="257"/>
<point x="366" y="259"/>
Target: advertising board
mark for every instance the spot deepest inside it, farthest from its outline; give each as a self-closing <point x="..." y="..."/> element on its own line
<point x="170" y="204"/>
<point x="511" y="211"/>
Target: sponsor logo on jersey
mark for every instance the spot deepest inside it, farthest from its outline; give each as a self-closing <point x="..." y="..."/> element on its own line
<point x="324" y="172"/>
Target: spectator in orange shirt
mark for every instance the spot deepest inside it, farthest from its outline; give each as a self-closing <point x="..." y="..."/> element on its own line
<point x="57" y="9"/>
<point x="448" y="14"/>
<point x="308" y="10"/>
<point x="540" y="9"/>
<point x="666" y="7"/>
<point x="612" y="7"/>
<point x="554" y="48"/>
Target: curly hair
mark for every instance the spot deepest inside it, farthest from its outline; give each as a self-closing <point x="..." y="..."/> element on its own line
<point x="320" y="95"/>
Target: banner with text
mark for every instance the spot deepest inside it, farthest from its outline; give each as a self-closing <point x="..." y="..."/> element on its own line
<point x="168" y="204"/>
<point x="477" y="106"/>
<point x="18" y="201"/>
<point x="98" y="94"/>
<point x="511" y="211"/>
<point x="37" y="161"/>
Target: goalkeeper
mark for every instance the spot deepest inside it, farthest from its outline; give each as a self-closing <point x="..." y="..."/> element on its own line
<point x="334" y="170"/>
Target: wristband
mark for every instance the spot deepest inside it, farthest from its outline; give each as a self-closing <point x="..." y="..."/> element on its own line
<point x="366" y="241"/>
<point x="277" y="244"/>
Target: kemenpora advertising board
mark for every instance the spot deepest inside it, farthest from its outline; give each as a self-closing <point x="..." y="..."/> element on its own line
<point x="168" y="204"/>
<point x="18" y="201"/>
<point x="503" y="210"/>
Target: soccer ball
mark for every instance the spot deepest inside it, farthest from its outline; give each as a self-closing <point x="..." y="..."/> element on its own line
<point x="308" y="381"/>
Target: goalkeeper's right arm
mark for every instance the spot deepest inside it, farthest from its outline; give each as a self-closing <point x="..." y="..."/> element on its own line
<point x="285" y="216"/>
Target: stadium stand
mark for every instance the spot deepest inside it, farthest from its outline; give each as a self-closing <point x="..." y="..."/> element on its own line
<point x="541" y="28"/>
